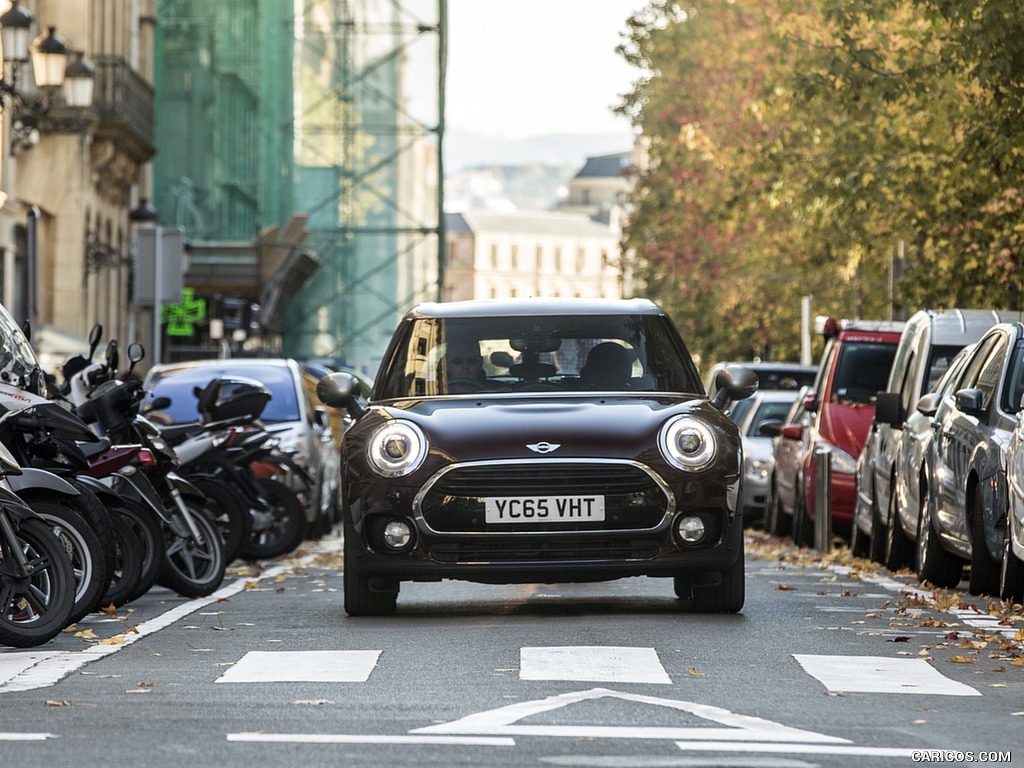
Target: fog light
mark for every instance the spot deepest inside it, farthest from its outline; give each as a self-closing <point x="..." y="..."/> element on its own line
<point x="397" y="534"/>
<point x="690" y="529"/>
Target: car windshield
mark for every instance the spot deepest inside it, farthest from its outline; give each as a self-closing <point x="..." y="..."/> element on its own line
<point x="563" y="353"/>
<point x="178" y="385"/>
<point x="767" y="410"/>
<point x="863" y="371"/>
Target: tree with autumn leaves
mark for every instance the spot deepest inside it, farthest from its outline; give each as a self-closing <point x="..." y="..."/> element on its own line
<point x="796" y="147"/>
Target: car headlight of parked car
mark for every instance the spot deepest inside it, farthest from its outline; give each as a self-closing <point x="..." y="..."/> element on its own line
<point x="687" y="443"/>
<point x="842" y="462"/>
<point x="397" y="448"/>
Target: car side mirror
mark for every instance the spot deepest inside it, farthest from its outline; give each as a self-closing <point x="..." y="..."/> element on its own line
<point x="889" y="409"/>
<point x="733" y="382"/>
<point x="340" y="390"/>
<point x="811" y="402"/>
<point x="928" y="405"/>
<point x="770" y="428"/>
<point x="793" y="432"/>
<point x="970" y="401"/>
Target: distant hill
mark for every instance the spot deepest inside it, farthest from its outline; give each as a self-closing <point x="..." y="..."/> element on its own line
<point x="464" y="149"/>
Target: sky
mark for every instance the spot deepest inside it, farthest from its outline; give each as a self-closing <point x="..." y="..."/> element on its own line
<point x="520" y="68"/>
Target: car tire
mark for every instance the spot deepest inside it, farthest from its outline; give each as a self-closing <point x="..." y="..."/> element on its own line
<point x="934" y="564"/>
<point x="803" y="526"/>
<point x="727" y="596"/>
<point x="1011" y="572"/>
<point x="360" y="598"/>
<point x="777" y="522"/>
<point x="860" y="543"/>
<point x="898" y="547"/>
<point x="876" y="547"/>
<point x="984" y="576"/>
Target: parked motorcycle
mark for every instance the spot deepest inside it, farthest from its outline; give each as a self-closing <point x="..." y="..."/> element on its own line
<point x="230" y="454"/>
<point x="193" y="561"/>
<point x="37" y="585"/>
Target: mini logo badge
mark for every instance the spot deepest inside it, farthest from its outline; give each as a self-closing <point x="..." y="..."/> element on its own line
<point x="544" y="447"/>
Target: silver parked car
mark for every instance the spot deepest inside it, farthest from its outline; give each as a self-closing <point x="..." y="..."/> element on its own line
<point x="759" y="449"/>
<point x="930" y="340"/>
<point x="967" y="498"/>
<point x="298" y="421"/>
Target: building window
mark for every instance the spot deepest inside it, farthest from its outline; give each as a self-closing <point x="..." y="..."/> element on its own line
<point x="515" y="256"/>
<point x="558" y="259"/>
<point x="494" y="255"/>
<point x="581" y="260"/>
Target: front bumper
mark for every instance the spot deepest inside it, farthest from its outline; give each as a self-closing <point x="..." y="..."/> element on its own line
<point x="451" y="538"/>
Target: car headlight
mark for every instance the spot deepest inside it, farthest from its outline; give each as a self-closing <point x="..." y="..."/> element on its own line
<point x="759" y="468"/>
<point x="687" y="443"/>
<point x="841" y="461"/>
<point x="397" y="448"/>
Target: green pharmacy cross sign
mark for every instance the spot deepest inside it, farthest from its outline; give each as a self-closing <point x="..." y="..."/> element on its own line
<point x="181" y="319"/>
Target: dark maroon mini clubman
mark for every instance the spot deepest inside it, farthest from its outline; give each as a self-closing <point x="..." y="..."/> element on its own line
<point x="540" y="441"/>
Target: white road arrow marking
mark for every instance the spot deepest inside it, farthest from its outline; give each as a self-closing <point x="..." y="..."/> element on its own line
<point x="502" y="722"/>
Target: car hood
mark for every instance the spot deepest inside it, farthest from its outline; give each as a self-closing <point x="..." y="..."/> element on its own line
<point x="563" y="427"/>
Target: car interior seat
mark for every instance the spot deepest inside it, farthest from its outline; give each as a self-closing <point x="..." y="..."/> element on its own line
<point x="609" y="366"/>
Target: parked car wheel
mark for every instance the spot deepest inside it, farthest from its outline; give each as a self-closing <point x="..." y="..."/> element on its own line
<point x="860" y="542"/>
<point x="934" y="564"/>
<point x="876" y="551"/>
<point x="777" y="522"/>
<point x="360" y="599"/>
<point x="1011" y="572"/>
<point x="803" y="526"/>
<point x="984" y="579"/>
<point x="899" y="550"/>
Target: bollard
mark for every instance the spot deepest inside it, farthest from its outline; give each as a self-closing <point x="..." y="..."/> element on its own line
<point x="823" y="498"/>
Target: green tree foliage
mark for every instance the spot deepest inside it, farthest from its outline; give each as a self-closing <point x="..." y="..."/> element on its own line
<point x="794" y="144"/>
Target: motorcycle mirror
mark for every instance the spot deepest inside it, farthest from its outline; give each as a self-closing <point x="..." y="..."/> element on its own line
<point x="135" y="353"/>
<point x="95" y="335"/>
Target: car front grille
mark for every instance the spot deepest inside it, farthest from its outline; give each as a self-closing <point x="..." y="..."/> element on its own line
<point x="532" y="549"/>
<point x="453" y="502"/>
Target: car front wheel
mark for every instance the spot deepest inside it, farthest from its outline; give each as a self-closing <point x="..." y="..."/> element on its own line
<point x="1011" y="572"/>
<point x="360" y="598"/>
<point x="934" y="564"/>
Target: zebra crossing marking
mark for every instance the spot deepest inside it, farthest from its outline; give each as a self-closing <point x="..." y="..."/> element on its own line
<point x="880" y="674"/>
<point x="592" y="663"/>
<point x="302" y="667"/>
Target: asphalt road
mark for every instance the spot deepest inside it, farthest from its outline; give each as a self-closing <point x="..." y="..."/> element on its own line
<point x="831" y="663"/>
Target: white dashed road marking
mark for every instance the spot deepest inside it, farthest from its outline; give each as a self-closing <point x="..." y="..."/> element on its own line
<point x="605" y="664"/>
<point x="302" y="667"/>
<point x="880" y="674"/>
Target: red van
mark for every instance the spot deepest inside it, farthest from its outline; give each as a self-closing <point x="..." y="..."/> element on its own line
<point x="854" y="368"/>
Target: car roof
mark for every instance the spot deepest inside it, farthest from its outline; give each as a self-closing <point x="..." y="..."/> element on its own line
<point x="960" y="326"/>
<point x="527" y="307"/>
<point x="231" y="362"/>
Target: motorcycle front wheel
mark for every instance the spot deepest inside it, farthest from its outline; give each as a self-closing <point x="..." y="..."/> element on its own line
<point x="35" y="609"/>
<point x="84" y="550"/>
<point x="193" y="566"/>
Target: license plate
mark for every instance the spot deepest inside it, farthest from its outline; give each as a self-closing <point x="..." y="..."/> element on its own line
<point x="544" y="509"/>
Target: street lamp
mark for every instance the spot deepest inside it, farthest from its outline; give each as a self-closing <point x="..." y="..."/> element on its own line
<point x="51" y="69"/>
